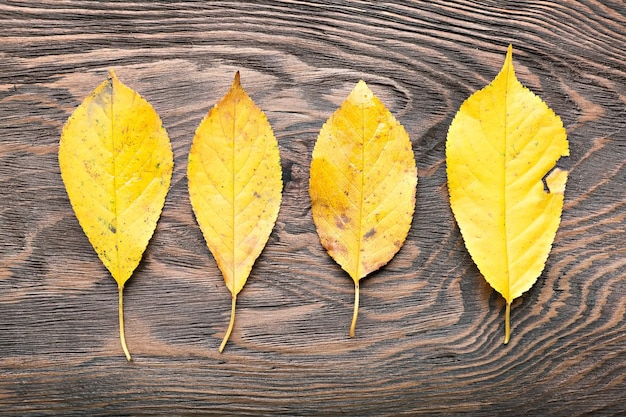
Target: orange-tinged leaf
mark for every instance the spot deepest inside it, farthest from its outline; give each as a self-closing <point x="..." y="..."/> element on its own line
<point x="235" y="184"/>
<point x="116" y="162"/>
<point x="502" y="142"/>
<point x="362" y="186"/>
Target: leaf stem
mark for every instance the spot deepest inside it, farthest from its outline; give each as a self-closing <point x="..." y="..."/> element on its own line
<point x="120" y="291"/>
<point x="231" y="324"/>
<point x="356" y="308"/>
<point x="507" y="323"/>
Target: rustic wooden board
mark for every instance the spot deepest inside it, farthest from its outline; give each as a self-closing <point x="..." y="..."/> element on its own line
<point x="429" y="337"/>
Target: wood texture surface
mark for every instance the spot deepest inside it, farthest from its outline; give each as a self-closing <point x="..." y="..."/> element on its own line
<point x="429" y="338"/>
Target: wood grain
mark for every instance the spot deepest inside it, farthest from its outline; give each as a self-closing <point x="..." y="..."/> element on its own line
<point x="430" y="329"/>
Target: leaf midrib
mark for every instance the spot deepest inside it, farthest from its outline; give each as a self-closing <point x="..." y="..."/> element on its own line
<point x="504" y="185"/>
<point x="233" y="176"/>
<point x="115" y="190"/>
<point x="361" y="193"/>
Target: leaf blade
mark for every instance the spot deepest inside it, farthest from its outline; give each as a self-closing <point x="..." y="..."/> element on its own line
<point x="502" y="142"/>
<point x="116" y="163"/>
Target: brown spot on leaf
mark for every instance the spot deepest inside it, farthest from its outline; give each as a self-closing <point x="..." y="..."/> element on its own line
<point x="335" y="247"/>
<point x="369" y="234"/>
<point x="342" y="221"/>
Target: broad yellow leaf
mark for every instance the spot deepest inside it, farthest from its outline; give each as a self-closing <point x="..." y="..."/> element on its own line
<point x="116" y="163"/>
<point x="502" y="142"/>
<point x="362" y="186"/>
<point x="235" y="184"/>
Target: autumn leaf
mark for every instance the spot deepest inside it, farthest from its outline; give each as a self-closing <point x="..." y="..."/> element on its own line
<point x="362" y="186"/>
<point x="116" y="163"/>
<point x="502" y="143"/>
<point x="235" y="184"/>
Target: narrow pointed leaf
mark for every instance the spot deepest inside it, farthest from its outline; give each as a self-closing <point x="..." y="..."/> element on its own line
<point x="116" y="163"/>
<point x="502" y="143"/>
<point x="362" y="186"/>
<point x="235" y="184"/>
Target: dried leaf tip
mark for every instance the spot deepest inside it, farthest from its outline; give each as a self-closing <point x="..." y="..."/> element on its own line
<point x="361" y="94"/>
<point x="237" y="80"/>
<point x="508" y="61"/>
<point x="112" y="75"/>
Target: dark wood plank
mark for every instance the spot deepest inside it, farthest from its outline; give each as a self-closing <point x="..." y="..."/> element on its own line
<point x="430" y="329"/>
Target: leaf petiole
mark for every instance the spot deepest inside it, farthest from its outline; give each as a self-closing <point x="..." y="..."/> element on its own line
<point x="507" y="323"/>
<point x="356" y="308"/>
<point x="120" y="290"/>
<point x="231" y="324"/>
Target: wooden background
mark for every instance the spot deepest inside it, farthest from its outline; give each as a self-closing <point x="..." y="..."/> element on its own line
<point x="429" y="337"/>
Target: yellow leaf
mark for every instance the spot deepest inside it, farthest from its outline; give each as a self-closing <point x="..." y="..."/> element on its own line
<point x="116" y="163"/>
<point x="362" y="186"/>
<point x="235" y="184"/>
<point x="502" y="142"/>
